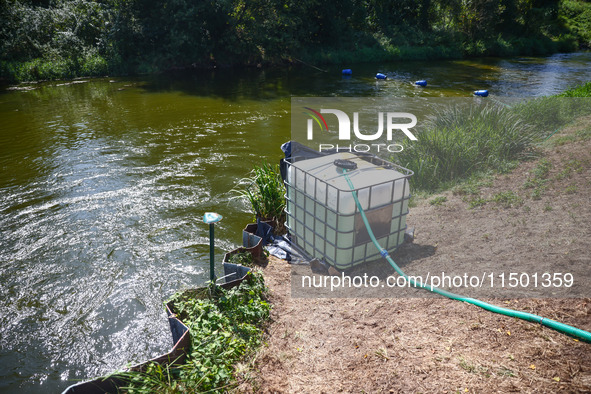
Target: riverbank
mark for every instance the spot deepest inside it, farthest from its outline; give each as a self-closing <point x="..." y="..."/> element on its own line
<point x="40" y="69"/>
<point x="71" y="39"/>
<point x="437" y="345"/>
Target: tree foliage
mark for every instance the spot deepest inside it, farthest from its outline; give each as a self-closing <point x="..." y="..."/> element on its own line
<point x="149" y="35"/>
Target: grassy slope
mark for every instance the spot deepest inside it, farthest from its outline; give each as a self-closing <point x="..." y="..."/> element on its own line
<point x="466" y="143"/>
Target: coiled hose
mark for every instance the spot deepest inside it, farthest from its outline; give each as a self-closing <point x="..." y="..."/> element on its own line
<point x="560" y="327"/>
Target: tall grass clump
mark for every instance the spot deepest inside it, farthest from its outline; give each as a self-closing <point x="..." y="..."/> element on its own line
<point x="225" y="327"/>
<point x="548" y="114"/>
<point x="462" y="140"/>
<point x="265" y="191"/>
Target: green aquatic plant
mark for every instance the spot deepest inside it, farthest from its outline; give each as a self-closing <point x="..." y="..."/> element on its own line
<point x="265" y="191"/>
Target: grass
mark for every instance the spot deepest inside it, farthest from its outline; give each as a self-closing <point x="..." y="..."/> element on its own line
<point x="51" y="69"/>
<point x="542" y="169"/>
<point x="439" y="200"/>
<point x="477" y="202"/>
<point x="539" y="178"/>
<point x="571" y="189"/>
<point x="438" y="148"/>
<point x="225" y="326"/>
<point x="473" y="185"/>
<point x="563" y="140"/>
<point x="462" y="141"/>
<point x="507" y="199"/>
<point x="471" y="368"/>
<point x="549" y="114"/>
<point x="584" y="134"/>
<point x="461" y="147"/>
<point x="504" y="371"/>
<point x="572" y="165"/>
<point x="537" y="193"/>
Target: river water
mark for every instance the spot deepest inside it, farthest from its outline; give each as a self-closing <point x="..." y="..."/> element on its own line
<point x="104" y="182"/>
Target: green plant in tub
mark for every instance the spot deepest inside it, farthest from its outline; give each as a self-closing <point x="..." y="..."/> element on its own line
<point x="265" y="191"/>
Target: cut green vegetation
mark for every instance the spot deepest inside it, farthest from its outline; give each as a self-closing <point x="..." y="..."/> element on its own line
<point x="225" y="326"/>
<point x="242" y="258"/>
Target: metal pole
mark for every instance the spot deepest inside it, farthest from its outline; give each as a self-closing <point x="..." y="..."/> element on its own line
<point x="211" y="254"/>
<point x="211" y="218"/>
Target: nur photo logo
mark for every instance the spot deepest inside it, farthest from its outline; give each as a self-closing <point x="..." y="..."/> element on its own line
<point x="388" y="123"/>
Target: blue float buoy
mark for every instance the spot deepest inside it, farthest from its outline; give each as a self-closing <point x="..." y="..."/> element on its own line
<point x="422" y="82"/>
<point x="381" y="76"/>
<point x="481" y="93"/>
<point x="347" y="71"/>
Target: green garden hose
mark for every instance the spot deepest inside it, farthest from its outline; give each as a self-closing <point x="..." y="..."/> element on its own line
<point x="560" y="327"/>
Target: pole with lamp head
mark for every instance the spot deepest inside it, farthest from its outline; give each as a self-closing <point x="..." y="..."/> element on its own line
<point x="211" y="218"/>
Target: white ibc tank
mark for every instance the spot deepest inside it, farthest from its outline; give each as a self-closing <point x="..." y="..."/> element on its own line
<point x="322" y="215"/>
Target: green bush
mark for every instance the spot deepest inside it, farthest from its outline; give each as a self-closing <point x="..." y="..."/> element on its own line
<point x="94" y="64"/>
<point x="38" y="69"/>
<point x="579" y="91"/>
<point x="576" y="16"/>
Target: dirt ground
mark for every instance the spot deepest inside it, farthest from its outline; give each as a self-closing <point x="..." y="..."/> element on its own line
<point x="406" y="343"/>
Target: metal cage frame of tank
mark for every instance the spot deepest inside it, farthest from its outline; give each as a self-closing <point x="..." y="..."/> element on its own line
<point x="369" y="251"/>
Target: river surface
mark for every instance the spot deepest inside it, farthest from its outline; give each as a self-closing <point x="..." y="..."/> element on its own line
<point x="103" y="184"/>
